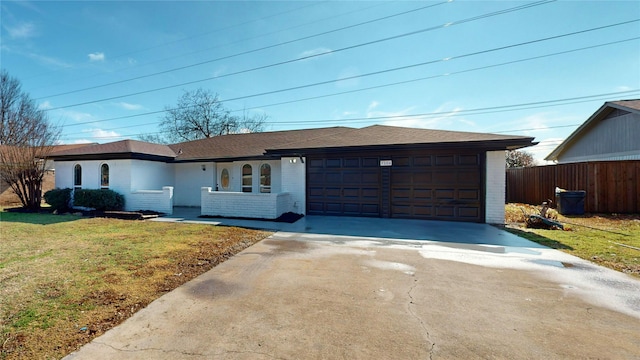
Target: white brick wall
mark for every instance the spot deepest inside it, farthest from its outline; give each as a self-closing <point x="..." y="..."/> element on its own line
<point x="156" y="200"/>
<point x="247" y="205"/>
<point x="495" y="187"/>
<point x="294" y="183"/>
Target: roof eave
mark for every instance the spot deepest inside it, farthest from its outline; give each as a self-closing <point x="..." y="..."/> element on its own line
<point x="486" y="145"/>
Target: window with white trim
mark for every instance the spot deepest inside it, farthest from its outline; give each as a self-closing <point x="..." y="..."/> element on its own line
<point x="104" y="176"/>
<point x="247" y="178"/>
<point x="77" y="177"/>
<point x="265" y="178"/>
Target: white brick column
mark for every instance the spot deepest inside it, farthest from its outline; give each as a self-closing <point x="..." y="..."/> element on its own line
<point x="495" y="187"/>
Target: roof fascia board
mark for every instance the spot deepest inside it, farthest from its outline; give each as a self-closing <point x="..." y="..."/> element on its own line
<point x="112" y="156"/>
<point x="486" y="145"/>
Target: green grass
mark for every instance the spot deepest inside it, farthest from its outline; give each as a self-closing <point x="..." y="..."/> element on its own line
<point x="65" y="279"/>
<point x="594" y="237"/>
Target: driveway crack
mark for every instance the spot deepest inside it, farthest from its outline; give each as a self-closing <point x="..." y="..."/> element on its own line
<point x="431" y="345"/>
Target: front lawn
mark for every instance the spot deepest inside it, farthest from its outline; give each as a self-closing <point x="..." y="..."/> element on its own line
<point x="65" y="280"/>
<point x="608" y="240"/>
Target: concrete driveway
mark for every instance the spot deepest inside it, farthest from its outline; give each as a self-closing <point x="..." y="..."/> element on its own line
<point x="351" y="288"/>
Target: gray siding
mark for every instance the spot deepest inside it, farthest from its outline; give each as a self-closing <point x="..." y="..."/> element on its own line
<point x="614" y="138"/>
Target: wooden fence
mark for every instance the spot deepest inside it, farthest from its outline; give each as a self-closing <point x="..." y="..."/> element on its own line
<point x="611" y="186"/>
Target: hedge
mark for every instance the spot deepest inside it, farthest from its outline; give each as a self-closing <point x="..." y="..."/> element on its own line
<point x="59" y="199"/>
<point x="99" y="199"/>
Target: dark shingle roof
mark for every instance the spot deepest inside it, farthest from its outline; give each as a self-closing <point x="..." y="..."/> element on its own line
<point x="255" y="145"/>
<point x="119" y="147"/>
<point x="380" y="135"/>
<point x="248" y="145"/>
<point x="631" y="104"/>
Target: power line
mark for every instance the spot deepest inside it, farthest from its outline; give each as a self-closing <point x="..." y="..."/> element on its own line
<point x="469" y="112"/>
<point x="373" y="87"/>
<point x="244" y="52"/>
<point x="395" y="37"/>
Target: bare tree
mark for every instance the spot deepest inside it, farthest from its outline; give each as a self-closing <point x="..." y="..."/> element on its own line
<point x="26" y="140"/>
<point x="200" y="114"/>
<point x="516" y="158"/>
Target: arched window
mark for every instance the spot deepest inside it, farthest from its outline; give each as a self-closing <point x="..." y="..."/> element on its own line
<point x="265" y="178"/>
<point x="246" y="178"/>
<point x="104" y="176"/>
<point x="77" y="176"/>
<point x="224" y="179"/>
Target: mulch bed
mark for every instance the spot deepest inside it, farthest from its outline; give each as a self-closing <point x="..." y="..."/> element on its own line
<point x="286" y="217"/>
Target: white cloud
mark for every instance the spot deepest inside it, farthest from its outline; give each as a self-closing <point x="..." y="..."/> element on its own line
<point x="45" y="105"/>
<point x="99" y="134"/>
<point x="128" y="106"/>
<point x="98" y="56"/>
<point x="314" y="53"/>
<point x="348" y="78"/>
<point x="82" y="141"/>
<point x="374" y="104"/>
<point x="22" y="31"/>
<point x="445" y="116"/>
<point x="544" y="148"/>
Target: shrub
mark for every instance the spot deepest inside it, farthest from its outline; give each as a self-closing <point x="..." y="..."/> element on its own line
<point x="59" y="199"/>
<point x="102" y="199"/>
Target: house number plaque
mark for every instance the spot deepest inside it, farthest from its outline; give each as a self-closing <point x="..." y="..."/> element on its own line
<point x="386" y="162"/>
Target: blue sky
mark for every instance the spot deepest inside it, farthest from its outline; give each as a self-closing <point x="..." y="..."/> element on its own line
<point x="105" y="70"/>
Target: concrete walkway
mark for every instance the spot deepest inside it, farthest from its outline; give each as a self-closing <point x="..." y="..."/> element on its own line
<point x="356" y="288"/>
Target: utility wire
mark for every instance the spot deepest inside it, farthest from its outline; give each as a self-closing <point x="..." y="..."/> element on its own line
<point x="244" y="53"/>
<point x="468" y="112"/>
<point x="395" y="37"/>
<point x="373" y="87"/>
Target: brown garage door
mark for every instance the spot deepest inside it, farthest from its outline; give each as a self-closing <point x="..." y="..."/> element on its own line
<point x="438" y="186"/>
<point x="347" y="186"/>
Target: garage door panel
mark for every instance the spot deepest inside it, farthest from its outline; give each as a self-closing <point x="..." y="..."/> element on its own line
<point x="370" y="193"/>
<point x="422" y="194"/>
<point x="370" y="209"/>
<point x="422" y="178"/>
<point x="370" y="162"/>
<point x="468" y="177"/>
<point x="351" y="177"/>
<point x="445" y="211"/>
<point x="468" y="212"/>
<point x="444" y="177"/>
<point x="468" y="160"/>
<point x="369" y="177"/>
<point x="445" y="194"/>
<point x="445" y="160"/>
<point x="422" y="161"/>
<point x="351" y="193"/>
<point x="333" y="192"/>
<point x="470" y="194"/>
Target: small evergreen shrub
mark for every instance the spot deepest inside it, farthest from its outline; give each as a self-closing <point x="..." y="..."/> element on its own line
<point x="59" y="199"/>
<point x="99" y="199"/>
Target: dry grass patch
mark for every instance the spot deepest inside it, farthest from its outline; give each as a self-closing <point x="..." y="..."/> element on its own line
<point x="611" y="240"/>
<point x="65" y="280"/>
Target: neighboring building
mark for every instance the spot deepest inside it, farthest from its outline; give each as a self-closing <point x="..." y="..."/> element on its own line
<point x="378" y="171"/>
<point x="611" y="133"/>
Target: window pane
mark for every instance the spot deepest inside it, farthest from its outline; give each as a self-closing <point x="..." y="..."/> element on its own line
<point x="224" y="179"/>
<point x="104" y="178"/>
<point x="246" y="178"/>
<point x="265" y="178"/>
<point x="77" y="175"/>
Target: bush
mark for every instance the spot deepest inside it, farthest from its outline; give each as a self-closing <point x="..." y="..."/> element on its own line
<point x="102" y="199"/>
<point x="59" y="199"/>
